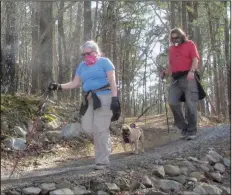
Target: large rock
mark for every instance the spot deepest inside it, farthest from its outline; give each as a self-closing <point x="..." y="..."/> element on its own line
<point x="15" y="143"/>
<point x="31" y="191"/>
<point x="197" y="160"/>
<point x="136" y="185"/>
<point x="220" y="167"/>
<point x="47" y="187"/>
<point x="64" y="191"/>
<point x="20" y="132"/>
<point x="81" y="190"/>
<point x="155" y="192"/>
<point x="190" y="193"/>
<point x="158" y="171"/>
<point x="172" y="170"/>
<point x="204" y="168"/>
<point x="181" y="179"/>
<point x="215" y="155"/>
<point x="13" y="192"/>
<point x="198" y="175"/>
<point x="72" y="130"/>
<point x="215" y="176"/>
<point x="183" y="170"/>
<point x="112" y="187"/>
<point x="4" y="126"/>
<point x="123" y="183"/>
<point x="100" y="192"/>
<point x="147" y="182"/>
<point x="211" y="159"/>
<point x="207" y="189"/>
<point x="187" y="164"/>
<point x="167" y="185"/>
<point x="227" y="162"/>
<point x="226" y="191"/>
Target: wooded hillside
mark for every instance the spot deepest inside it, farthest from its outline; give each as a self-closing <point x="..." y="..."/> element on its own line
<point x="41" y="42"/>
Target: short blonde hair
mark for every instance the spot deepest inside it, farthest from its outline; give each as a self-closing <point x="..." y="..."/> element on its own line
<point x="92" y="45"/>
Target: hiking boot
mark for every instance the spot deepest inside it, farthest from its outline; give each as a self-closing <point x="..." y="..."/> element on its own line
<point x="183" y="132"/>
<point x="100" y="166"/>
<point x="190" y="136"/>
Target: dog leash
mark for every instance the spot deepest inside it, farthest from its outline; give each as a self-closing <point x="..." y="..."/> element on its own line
<point x="165" y="103"/>
<point x="41" y="110"/>
<point x="145" y="111"/>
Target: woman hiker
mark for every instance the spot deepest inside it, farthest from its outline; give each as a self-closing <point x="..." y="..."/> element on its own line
<point x="100" y="104"/>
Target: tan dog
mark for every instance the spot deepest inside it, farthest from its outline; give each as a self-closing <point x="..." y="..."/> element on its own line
<point x="133" y="135"/>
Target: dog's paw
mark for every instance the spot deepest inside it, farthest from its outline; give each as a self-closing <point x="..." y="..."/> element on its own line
<point x="142" y="150"/>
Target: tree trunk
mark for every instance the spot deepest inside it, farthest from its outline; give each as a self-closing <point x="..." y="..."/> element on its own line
<point x="35" y="38"/>
<point x="190" y="20"/>
<point x="227" y="59"/>
<point x="60" y="53"/>
<point x="46" y="46"/>
<point x="87" y="20"/>
<point x="9" y="61"/>
<point x="184" y="16"/>
<point x="95" y="21"/>
<point x="173" y="15"/>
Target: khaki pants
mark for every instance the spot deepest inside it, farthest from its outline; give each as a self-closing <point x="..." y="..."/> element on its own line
<point x="96" y="124"/>
<point x="191" y="96"/>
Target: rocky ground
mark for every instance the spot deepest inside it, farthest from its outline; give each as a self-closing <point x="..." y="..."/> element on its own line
<point x="169" y="166"/>
<point x="200" y="166"/>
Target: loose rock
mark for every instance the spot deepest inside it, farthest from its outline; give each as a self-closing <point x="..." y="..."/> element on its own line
<point x="226" y="162"/>
<point x="13" y="192"/>
<point x="215" y="155"/>
<point x="147" y="182"/>
<point x="190" y="193"/>
<point x="220" y="167"/>
<point x="20" y="132"/>
<point x="211" y="159"/>
<point x="31" y="191"/>
<point x="47" y="187"/>
<point x="112" y="187"/>
<point x="81" y="190"/>
<point x="64" y="191"/>
<point x="204" y="168"/>
<point x="181" y="179"/>
<point x="72" y="130"/>
<point x="15" y="143"/>
<point x="100" y="192"/>
<point x="205" y="189"/>
<point x="155" y="192"/>
<point x="158" y="171"/>
<point x="198" y="175"/>
<point x="172" y="170"/>
<point x="184" y="171"/>
<point x="167" y="185"/>
<point x="215" y="176"/>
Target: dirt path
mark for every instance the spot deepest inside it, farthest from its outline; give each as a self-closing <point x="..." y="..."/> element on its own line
<point x="217" y="137"/>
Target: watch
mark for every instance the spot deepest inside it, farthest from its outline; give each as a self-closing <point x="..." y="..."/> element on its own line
<point x="192" y="70"/>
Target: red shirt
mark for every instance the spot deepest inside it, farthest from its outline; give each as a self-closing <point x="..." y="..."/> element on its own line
<point x="180" y="57"/>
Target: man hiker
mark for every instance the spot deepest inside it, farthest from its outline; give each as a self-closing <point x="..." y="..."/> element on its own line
<point x="185" y="85"/>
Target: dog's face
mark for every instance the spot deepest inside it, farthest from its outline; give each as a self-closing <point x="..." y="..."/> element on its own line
<point x="126" y="130"/>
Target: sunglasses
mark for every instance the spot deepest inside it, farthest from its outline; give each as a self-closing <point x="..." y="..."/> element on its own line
<point x="86" y="54"/>
<point x="174" y="38"/>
